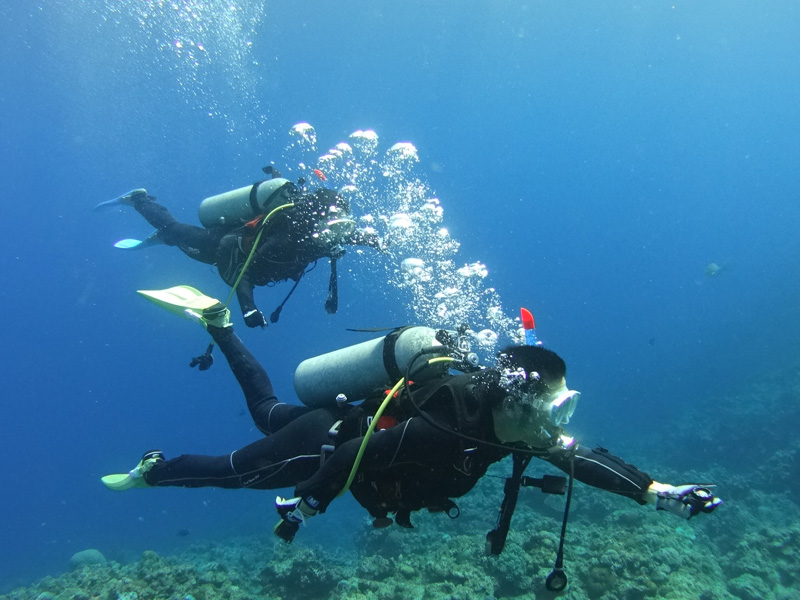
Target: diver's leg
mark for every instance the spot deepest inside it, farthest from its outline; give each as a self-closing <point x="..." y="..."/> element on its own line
<point x="278" y="461"/>
<point x="268" y="414"/>
<point x="198" y="243"/>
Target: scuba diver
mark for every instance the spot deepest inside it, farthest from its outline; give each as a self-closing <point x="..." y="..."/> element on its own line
<point x="258" y="235"/>
<point x="406" y="448"/>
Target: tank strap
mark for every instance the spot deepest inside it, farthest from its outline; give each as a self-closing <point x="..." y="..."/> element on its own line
<point x="273" y="198"/>
<point x="254" y="197"/>
<point x="389" y="358"/>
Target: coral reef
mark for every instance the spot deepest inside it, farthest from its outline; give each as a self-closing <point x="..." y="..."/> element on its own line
<point x="90" y="556"/>
<point x="616" y="550"/>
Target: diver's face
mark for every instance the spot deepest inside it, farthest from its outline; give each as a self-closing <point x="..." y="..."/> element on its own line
<point x="555" y="386"/>
<point x="534" y="418"/>
<point x="512" y="424"/>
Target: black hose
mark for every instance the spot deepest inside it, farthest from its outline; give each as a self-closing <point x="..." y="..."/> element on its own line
<point x="557" y="579"/>
<point x="431" y="421"/>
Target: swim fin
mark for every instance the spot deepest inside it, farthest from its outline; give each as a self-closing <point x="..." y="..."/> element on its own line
<point x="130" y="244"/>
<point x="119" y="482"/>
<point x="125" y="199"/>
<point x="188" y="302"/>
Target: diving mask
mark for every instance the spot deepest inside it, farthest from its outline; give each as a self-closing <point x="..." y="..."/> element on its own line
<point x="556" y="405"/>
<point x="561" y="407"/>
<point x="337" y="227"/>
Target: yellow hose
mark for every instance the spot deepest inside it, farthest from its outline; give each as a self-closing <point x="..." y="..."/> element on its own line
<point x="253" y="249"/>
<point x="397" y="387"/>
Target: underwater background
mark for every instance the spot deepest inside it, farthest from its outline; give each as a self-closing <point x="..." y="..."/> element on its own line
<point x="627" y="171"/>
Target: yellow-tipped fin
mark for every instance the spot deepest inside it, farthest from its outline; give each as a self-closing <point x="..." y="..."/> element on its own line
<point x="179" y="298"/>
<point x="120" y="482"/>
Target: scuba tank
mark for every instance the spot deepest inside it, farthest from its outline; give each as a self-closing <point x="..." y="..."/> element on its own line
<point x="245" y="203"/>
<point x="358" y="370"/>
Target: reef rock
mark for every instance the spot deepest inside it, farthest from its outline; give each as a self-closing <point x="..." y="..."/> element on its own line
<point x="90" y="556"/>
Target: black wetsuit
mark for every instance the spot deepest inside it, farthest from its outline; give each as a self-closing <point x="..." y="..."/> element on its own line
<point x="287" y="248"/>
<point x="407" y="466"/>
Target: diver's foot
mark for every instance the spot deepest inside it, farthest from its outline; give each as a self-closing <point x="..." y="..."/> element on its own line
<point x="135" y="477"/>
<point x="126" y="199"/>
<point x="217" y="316"/>
<point x="130" y="198"/>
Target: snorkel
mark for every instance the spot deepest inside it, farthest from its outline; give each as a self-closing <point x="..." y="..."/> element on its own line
<point x="529" y="327"/>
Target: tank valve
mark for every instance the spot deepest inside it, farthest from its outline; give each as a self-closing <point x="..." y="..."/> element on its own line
<point x="341" y="400"/>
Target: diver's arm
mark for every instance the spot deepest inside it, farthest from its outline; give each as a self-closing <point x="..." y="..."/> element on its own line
<point x="598" y="468"/>
<point x="601" y="469"/>
<point x="244" y="293"/>
<point x="369" y="239"/>
<point x="331" y="478"/>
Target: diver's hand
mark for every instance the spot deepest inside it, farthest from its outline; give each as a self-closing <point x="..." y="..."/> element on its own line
<point x="380" y="244"/>
<point x="254" y="318"/>
<point x="370" y="238"/>
<point x="685" y="501"/>
<point x="293" y="512"/>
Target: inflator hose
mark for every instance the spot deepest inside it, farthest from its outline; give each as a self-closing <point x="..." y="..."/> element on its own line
<point x="376" y="417"/>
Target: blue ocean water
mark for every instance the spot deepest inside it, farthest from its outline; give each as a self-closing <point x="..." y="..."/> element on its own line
<point x="595" y="156"/>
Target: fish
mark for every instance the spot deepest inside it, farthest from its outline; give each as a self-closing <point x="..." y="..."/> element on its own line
<point x="713" y="269"/>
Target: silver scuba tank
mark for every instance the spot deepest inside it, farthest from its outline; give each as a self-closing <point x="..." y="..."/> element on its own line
<point x="357" y="370"/>
<point x="245" y="203"/>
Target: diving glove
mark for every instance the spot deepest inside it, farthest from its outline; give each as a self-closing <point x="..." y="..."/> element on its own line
<point x="293" y="512"/>
<point x="254" y="318"/>
<point x="685" y="501"/>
